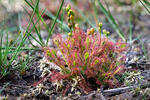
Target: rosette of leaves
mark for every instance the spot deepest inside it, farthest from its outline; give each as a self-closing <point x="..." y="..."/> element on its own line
<point x="86" y="55"/>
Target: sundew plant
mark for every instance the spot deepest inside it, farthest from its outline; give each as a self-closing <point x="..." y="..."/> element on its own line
<point x="86" y="56"/>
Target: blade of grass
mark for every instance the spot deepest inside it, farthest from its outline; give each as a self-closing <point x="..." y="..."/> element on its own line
<point x="6" y="50"/>
<point x="130" y="31"/>
<point x="1" y="41"/>
<point x="36" y="30"/>
<point x="50" y="31"/>
<point x="33" y="36"/>
<point x="39" y="18"/>
<point x="39" y="35"/>
<point x="39" y="15"/>
<point x="111" y="20"/>
<point x="95" y="12"/>
<point x="62" y="18"/>
<point x="147" y="3"/>
<point x="0" y="57"/>
<point x="29" y="3"/>
<point x="4" y="54"/>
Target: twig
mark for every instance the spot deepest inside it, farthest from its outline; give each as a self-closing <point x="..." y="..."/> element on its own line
<point x="111" y="92"/>
<point x="117" y="90"/>
<point x="122" y="90"/>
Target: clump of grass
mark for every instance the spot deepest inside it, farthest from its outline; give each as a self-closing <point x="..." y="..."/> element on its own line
<point x="86" y="56"/>
<point x="39" y="17"/>
<point x="10" y="51"/>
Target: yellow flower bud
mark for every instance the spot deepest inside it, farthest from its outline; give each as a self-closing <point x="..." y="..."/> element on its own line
<point x="76" y="25"/>
<point x="68" y="7"/>
<point x="71" y="12"/>
<point x="92" y="30"/>
<point x="104" y="31"/>
<point x="100" y="25"/>
<point x="68" y="13"/>
<point x="69" y="34"/>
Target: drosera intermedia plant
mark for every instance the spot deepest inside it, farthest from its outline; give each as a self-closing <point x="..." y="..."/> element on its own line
<point x="86" y="55"/>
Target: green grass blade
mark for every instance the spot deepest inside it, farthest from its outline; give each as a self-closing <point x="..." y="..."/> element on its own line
<point x="145" y="1"/>
<point x="95" y="10"/>
<point x="62" y="18"/>
<point x="111" y="20"/>
<point x="36" y="30"/>
<point x="29" y="4"/>
<point x="35" y="38"/>
<point x="39" y="18"/>
<point x="130" y="31"/>
<point x="50" y="31"/>
<point x="6" y="50"/>
<point x="1" y="56"/>
<point x="29" y="33"/>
